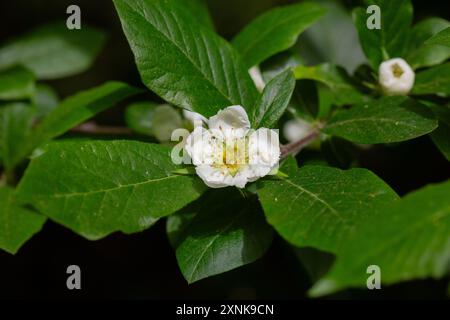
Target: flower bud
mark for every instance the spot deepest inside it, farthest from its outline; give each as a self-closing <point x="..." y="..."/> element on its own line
<point x="396" y="77"/>
<point x="296" y="129"/>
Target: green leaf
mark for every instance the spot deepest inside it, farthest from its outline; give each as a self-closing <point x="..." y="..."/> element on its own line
<point x="274" y="31"/>
<point x="53" y="51"/>
<point x="45" y="99"/>
<point x="435" y="80"/>
<point x="389" y="119"/>
<point x="16" y="83"/>
<point x="225" y="232"/>
<point x="334" y="78"/>
<point x="421" y="53"/>
<point x="17" y="224"/>
<point x="199" y="10"/>
<point x="441" y="138"/>
<point x="289" y="166"/>
<point x="184" y="63"/>
<point x="274" y="100"/>
<point x="407" y="239"/>
<point x="442" y="38"/>
<point x="391" y="40"/>
<point x="75" y="110"/>
<point x="15" y="124"/>
<point x="98" y="187"/>
<point x="321" y="206"/>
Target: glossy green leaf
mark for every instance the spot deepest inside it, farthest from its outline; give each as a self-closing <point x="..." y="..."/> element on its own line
<point x="391" y="39"/>
<point x="407" y="239"/>
<point x="274" y="100"/>
<point x="53" y="51"/>
<point x="226" y="231"/>
<point x="183" y="62"/>
<point x="16" y="83"/>
<point x="442" y="38"/>
<point x="421" y="53"/>
<point x="274" y="31"/>
<point x="435" y="80"/>
<point x="98" y="187"/>
<point x="321" y="206"/>
<point x="289" y="166"/>
<point x="17" y="224"/>
<point x="335" y="78"/>
<point x="15" y="125"/>
<point x="388" y="119"/>
<point x="75" y="110"/>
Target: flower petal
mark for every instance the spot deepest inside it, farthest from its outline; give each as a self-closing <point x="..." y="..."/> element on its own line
<point x="264" y="148"/>
<point x="203" y="147"/>
<point x="196" y="118"/>
<point x="233" y="121"/>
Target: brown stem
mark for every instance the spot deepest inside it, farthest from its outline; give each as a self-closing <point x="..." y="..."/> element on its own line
<point x="296" y="146"/>
<point x="93" y="128"/>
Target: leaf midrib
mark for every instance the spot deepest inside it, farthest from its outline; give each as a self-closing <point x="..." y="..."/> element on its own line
<point x="340" y="123"/>
<point x="74" y="194"/>
<point x="226" y="228"/>
<point x="316" y="197"/>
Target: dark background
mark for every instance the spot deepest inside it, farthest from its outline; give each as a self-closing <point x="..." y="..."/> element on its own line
<point x="143" y="265"/>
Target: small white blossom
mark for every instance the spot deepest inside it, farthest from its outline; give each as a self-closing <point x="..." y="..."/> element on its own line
<point x="296" y="129"/>
<point x="228" y="153"/>
<point x="396" y="77"/>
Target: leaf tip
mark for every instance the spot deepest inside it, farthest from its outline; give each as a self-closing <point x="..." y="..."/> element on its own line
<point x="323" y="287"/>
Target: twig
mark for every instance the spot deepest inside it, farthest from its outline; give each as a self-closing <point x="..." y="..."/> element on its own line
<point x="93" y="128"/>
<point x="296" y="146"/>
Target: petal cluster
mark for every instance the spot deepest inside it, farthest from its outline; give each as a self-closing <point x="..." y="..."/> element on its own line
<point x="229" y="153"/>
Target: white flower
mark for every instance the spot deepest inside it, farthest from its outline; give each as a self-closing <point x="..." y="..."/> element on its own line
<point x="296" y="129"/>
<point x="229" y="153"/>
<point x="196" y="118"/>
<point x="396" y="77"/>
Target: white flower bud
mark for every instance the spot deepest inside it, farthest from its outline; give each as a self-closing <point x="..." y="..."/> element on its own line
<point x="296" y="129"/>
<point x="396" y="77"/>
<point x="229" y="153"/>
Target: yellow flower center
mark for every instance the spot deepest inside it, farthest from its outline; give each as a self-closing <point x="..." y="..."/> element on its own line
<point x="397" y="71"/>
<point x="234" y="155"/>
